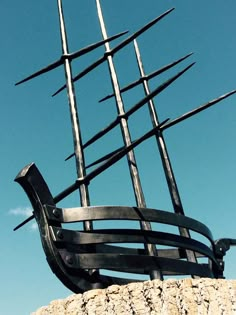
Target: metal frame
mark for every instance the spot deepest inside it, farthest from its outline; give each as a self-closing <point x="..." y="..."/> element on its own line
<point x="76" y="257"/>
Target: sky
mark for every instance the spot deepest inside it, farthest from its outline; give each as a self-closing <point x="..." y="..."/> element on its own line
<point x="36" y="127"/>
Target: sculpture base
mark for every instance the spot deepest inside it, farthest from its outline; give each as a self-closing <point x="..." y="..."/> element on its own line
<point x="186" y="296"/>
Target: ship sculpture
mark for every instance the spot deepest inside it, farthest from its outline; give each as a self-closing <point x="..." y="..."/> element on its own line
<point x="79" y="257"/>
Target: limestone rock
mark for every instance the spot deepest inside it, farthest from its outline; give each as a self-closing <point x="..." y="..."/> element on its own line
<point x="169" y="297"/>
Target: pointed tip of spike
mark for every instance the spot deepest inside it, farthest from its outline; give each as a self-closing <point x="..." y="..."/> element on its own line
<point x="192" y="64"/>
<point x="190" y="54"/>
<point x="69" y="157"/>
<point x="19" y="82"/>
<point x="57" y="92"/>
<point x="170" y="10"/>
<point x="102" y="99"/>
<point x="188" y="67"/>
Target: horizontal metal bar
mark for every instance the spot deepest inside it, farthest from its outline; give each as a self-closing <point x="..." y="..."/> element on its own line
<point x="174" y="253"/>
<point x="94" y="213"/>
<point x="127" y="236"/>
<point x="133" y="264"/>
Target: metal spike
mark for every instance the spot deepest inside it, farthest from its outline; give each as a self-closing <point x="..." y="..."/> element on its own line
<point x="140" y="31"/>
<point x="105" y="157"/>
<point x="147" y="77"/>
<point x="97" y="161"/>
<point x="83" y="73"/>
<point x="50" y="67"/>
<point x="96" y="45"/>
<point x="69" y="157"/>
<point x="198" y="110"/>
<point x="71" y="57"/>
<point x="24" y="222"/>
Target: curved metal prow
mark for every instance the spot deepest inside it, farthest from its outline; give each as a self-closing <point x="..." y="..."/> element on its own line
<point x="39" y="195"/>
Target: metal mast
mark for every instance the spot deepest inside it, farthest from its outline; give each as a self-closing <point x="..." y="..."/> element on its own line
<point x="169" y="174"/>
<point x="78" y="148"/>
<point x="134" y="173"/>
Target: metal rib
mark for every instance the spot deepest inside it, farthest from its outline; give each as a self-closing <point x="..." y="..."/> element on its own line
<point x="147" y="77"/>
<point x="127" y="236"/>
<point x="134" y="264"/>
<point x="116" y="49"/>
<point x="71" y="57"/>
<point x="80" y="214"/>
<point x="168" y="170"/>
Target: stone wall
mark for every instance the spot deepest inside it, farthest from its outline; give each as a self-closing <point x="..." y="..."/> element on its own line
<point x="187" y="296"/>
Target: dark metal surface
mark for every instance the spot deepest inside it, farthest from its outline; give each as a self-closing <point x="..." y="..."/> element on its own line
<point x="79" y="257"/>
<point x="71" y="254"/>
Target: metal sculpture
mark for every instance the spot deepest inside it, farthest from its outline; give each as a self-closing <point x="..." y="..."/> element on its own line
<point x="77" y="257"/>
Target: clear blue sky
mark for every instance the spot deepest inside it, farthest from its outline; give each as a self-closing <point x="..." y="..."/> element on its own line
<point x="36" y="127"/>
